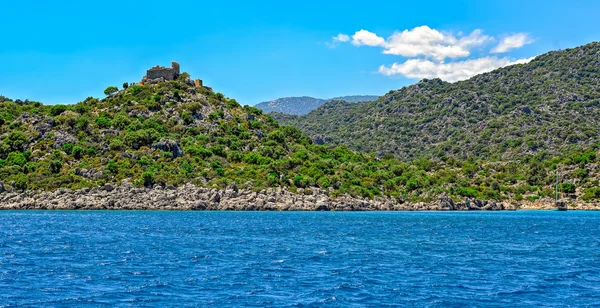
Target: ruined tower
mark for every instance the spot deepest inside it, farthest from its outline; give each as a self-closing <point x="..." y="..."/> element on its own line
<point x="167" y="73"/>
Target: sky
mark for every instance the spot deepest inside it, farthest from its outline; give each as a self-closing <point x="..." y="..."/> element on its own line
<point x="60" y="52"/>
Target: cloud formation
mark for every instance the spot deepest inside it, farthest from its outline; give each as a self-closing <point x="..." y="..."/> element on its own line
<point x="364" y="37"/>
<point x="428" y="50"/>
<point x="454" y="71"/>
<point x="513" y="41"/>
<point x="422" y="41"/>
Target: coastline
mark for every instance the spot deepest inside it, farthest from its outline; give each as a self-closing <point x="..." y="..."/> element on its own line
<point x="190" y="197"/>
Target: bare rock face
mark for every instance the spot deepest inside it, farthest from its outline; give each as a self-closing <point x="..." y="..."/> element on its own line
<point x="169" y="145"/>
<point x="61" y="138"/>
<point x="191" y="197"/>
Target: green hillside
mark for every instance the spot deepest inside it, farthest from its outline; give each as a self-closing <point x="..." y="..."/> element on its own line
<point x="173" y="133"/>
<point x="548" y="107"/>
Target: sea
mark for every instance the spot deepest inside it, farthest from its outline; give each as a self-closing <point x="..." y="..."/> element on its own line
<point x="299" y="259"/>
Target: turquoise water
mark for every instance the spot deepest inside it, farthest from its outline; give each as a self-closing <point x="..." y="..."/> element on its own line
<point x="103" y="258"/>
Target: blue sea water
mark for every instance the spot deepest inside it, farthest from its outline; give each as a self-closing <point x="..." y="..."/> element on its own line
<point x="162" y="259"/>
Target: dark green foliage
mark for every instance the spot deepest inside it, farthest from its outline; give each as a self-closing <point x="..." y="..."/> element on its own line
<point x="142" y="137"/>
<point x="567" y="188"/>
<point x="148" y="179"/>
<point x="58" y="109"/>
<point x="136" y="135"/>
<point x="110" y="90"/>
<point x="103" y="122"/>
<point x="78" y="152"/>
<point x="55" y="166"/>
<point x="548" y="105"/>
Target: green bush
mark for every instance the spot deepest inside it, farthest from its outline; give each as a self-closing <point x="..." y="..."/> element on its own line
<point x="567" y="188"/>
<point x="55" y="166"/>
<point x="78" y="152"/>
<point x="116" y="145"/>
<point x="103" y="122"/>
<point x="58" y="109"/>
<point x="148" y="178"/>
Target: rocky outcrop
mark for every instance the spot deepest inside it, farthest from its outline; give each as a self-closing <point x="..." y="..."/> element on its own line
<point x="190" y="197"/>
<point x="168" y="145"/>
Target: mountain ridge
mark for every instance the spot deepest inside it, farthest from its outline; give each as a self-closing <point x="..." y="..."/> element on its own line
<point x="548" y="104"/>
<point x="299" y="105"/>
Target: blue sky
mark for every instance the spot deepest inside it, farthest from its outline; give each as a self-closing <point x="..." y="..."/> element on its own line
<point x="255" y="51"/>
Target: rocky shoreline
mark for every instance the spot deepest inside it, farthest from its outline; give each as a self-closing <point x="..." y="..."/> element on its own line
<point x="190" y="197"/>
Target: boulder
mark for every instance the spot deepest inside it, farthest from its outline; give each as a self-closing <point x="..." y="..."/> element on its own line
<point x="169" y="145"/>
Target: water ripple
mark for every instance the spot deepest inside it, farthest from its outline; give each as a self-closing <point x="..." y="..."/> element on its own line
<point x="299" y="259"/>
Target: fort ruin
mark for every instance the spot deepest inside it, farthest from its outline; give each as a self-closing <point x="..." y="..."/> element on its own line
<point x="161" y="73"/>
<point x="167" y="73"/>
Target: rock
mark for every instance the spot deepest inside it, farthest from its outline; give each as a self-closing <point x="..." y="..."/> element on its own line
<point x="446" y="203"/>
<point x="323" y="207"/>
<point x="191" y="197"/>
<point x="2" y="187"/>
<point x="169" y="145"/>
<point x="61" y="138"/>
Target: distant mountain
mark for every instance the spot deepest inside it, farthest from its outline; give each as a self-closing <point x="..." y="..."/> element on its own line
<point x="305" y="104"/>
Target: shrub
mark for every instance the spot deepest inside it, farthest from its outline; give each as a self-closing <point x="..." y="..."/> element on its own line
<point x="55" y="166"/>
<point x="21" y="182"/>
<point x="116" y="145"/>
<point x="567" y="188"/>
<point x="148" y="178"/>
<point x="67" y="147"/>
<point x="112" y="167"/>
<point x="103" y="122"/>
<point x="300" y="181"/>
<point x="78" y="152"/>
<point x="16" y="140"/>
<point x="121" y="121"/>
<point x="15" y="159"/>
<point x="82" y="123"/>
<point x="57" y="109"/>
<point x="199" y="151"/>
<point x="142" y="137"/>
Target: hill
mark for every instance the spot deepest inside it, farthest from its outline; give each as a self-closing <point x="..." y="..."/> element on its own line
<point x="175" y="144"/>
<point x="305" y="104"/>
<point x="548" y="106"/>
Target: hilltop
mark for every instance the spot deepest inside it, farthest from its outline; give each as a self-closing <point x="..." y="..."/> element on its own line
<point x="548" y="106"/>
<point x="169" y="142"/>
<point x="305" y="104"/>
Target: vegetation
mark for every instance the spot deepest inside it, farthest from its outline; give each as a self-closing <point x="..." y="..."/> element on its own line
<point x="548" y="107"/>
<point x="174" y="133"/>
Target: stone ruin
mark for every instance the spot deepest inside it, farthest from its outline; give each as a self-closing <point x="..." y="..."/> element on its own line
<point x="161" y="73"/>
<point x="166" y="73"/>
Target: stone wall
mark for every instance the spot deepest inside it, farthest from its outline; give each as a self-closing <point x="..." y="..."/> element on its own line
<point x="167" y="73"/>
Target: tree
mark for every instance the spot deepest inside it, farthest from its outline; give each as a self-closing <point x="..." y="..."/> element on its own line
<point x="111" y="90"/>
<point x="125" y="85"/>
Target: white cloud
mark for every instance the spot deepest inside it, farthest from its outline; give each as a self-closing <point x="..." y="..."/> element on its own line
<point x="421" y="68"/>
<point x="439" y="54"/>
<point x="341" y="38"/>
<point x="423" y="41"/>
<point x="364" y="37"/>
<point x="513" y="41"/>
